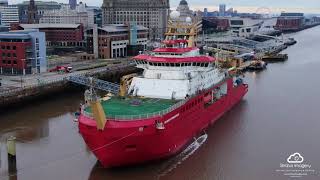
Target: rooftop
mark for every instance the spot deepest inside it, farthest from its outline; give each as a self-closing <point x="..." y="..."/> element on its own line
<point x="174" y="59"/>
<point x="37" y="3"/>
<point x="5" y="35"/>
<point x="292" y="14"/>
<point x="21" y="34"/>
<point x="47" y="25"/>
<point x="120" y="28"/>
<point x="183" y="2"/>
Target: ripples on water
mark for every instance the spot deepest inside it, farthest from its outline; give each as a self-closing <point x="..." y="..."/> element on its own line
<point x="175" y="161"/>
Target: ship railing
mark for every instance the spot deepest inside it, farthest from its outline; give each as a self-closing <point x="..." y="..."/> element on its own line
<point x="149" y="115"/>
<point x="135" y="117"/>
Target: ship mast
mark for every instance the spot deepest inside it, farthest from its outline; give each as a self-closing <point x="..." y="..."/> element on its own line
<point x="184" y="30"/>
<point x="93" y="100"/>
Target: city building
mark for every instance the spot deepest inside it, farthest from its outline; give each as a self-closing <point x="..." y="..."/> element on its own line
<point x="222" y="12"/>
<point x="244" y="27"/>
<point x="8" y="14"/>
<point x="22" y="52"/>
<point x="290" y="22"/>
<point x="315" y="19"/>
<point x="95" y="13"/>
<point x="73" y="4"/>
<point x="214" y="24"/>
<point x="222" y="9"/>
<point x="65" y="15"/>
<point x="116" y="40"/>
<point x="184" y="10"/>
<point x="152" y="14"/>
<point x="4" y="28"/>
<point x="3" y="2"/>
<point x="230" y="11"/>
<point x="41" y="7"/>
<point x="32" y="13"/>
<point x="58" y="35"/>
<point x="205" y="12"/>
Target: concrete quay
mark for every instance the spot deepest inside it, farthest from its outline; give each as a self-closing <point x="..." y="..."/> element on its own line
<point x="17" y="89"/>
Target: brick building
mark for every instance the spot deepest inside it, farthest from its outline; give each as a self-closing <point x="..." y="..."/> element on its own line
<point x="22" y="52"/>
<point x="58" y="35"/>
<point x="114" y="40"/>
<point x="290" y="22"/>
<point x="211" y="24"/>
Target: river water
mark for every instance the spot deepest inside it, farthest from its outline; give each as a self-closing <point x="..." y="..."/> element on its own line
<point x="279" y="116"/>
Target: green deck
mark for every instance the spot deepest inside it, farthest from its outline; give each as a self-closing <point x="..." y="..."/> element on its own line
<point x="125" y="107"/>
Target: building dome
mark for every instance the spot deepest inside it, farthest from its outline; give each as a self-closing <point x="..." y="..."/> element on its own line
<point x="183" y="2"/>
<point x="184" y="10"/>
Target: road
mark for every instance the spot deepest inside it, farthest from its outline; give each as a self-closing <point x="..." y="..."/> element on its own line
<point x="18" y="82"/>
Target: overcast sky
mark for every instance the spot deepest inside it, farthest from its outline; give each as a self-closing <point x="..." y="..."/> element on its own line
<point x="307" y="6"/>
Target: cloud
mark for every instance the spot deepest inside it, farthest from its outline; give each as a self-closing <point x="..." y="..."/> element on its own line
<point x="295" y="158"/>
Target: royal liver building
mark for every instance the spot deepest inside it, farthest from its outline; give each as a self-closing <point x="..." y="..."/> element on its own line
<point x="149" y="13"/>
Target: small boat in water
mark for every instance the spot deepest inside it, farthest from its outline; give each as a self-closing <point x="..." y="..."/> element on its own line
<point x="275" y="57"/>
<point x="257" y="65"/>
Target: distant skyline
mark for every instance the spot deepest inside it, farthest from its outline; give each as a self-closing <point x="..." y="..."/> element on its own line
<point x="275" y="6"/>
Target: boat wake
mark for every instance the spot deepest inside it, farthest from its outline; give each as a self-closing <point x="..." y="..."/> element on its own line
<point x="185" y="154"/>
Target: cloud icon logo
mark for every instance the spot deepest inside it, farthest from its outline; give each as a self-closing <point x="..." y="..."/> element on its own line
<point x="295" y="158"/>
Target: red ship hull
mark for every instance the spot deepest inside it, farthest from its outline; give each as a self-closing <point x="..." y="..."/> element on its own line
<point x="132" y="142"/>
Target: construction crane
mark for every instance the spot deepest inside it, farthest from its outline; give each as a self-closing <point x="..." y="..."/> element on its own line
<point x="125" y="83"/>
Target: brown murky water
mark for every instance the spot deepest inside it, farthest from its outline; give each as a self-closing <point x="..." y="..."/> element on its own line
<point x="279" y="116"/>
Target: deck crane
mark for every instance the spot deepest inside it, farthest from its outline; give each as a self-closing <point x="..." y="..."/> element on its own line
<point x="92" y="98"/>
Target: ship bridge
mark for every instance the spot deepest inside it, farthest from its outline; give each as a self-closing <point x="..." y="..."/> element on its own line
<point x="174" y="73"/>
<point x="176" y="70"/>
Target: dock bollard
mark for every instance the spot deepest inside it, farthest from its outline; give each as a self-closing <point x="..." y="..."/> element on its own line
<point x="11" y="150"/>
